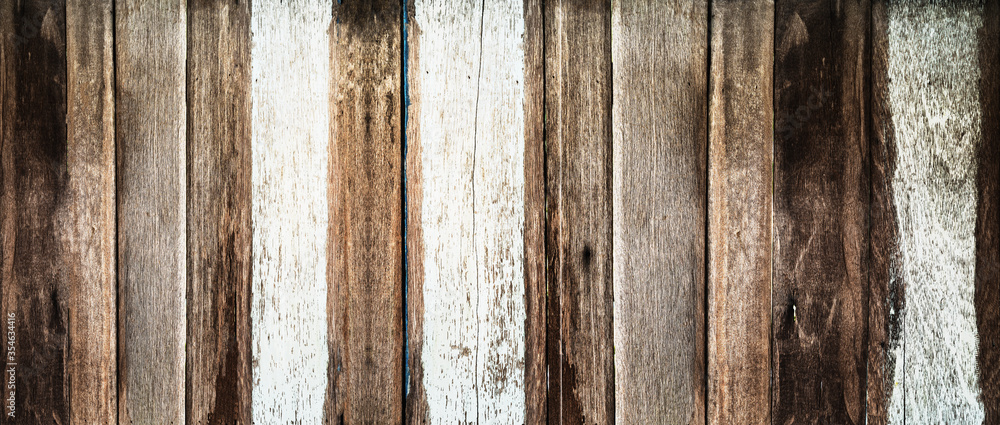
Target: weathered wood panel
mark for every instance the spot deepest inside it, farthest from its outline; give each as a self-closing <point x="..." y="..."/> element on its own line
<point x="932" y="75"/>
<point x="290" y="132"/>
<point x="739" y="209"/>
<point x="469" y="111"/>
<point x="579" y="349"/>
<point x="365" y="302"/>
<point x="150" y="46"/>
<point x="218" y="213"/>
<point x="821" y="198"/>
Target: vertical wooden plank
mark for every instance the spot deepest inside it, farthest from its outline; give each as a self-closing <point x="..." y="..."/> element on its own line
<point x="218" y="213"/>
<point x="741" y="115"/>
<point x="579" y="350"/>
<point x="366" y="302"/>
<point x="987" y="269"/>
<point x="57" y="212"/>
<point x="290" y="130"/>
<point x="469" y="132"/>
<point x="933" y="75"/>
<point x="150" y="42"/>
<point x="660" y="117"/>
<point x="821" y="203"/>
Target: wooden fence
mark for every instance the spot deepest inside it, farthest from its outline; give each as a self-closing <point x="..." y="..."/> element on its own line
<point x="525" y="211"/>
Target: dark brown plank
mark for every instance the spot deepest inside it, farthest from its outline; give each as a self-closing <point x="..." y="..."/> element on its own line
<point x="218" y="213"/>
<point x="150" y="45"/>
<point x="578" y="319"/>
<point x="660" y="55"/>
<point x="365" y="265"/>
<point x="821" y="201"/>
<point x="57" y="155"/>
<point x="739" y="210"/>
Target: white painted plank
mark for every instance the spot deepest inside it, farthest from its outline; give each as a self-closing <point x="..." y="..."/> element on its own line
<point x="290" y="66"/>
<point x="471" y="129"/>
<point x="933" y="73"/>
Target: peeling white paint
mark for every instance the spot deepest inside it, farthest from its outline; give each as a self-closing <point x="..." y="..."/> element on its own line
<point x="290" y="69"/>
<point x="471" y="77"/>
<point x="933" y="71"/>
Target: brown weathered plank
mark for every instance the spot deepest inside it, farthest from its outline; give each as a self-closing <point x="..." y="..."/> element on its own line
<point x="660" y="130"/>
<point x="365" y="302"/>
<point x="821" y="200"/>
<point x="150" y="45"/>
<point x="579" y="350"/>
<point x="218" y="213"/>
<point x="57" y="212"/>
<point x="739" y="204"/>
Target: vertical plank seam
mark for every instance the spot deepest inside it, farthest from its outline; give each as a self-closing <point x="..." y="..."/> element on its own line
<point x="706" y="231"/>
<point x="405" y="103"/>
<point x="770" y="227"/>
<point x="475" y="137"/>
<point x="117" y="267"/>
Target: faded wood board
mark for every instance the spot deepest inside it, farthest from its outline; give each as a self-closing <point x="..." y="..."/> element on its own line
<point x="821" y="200"/>
<point x="365" y="302"/>
<point x="467" y="150"/>
<point x="150" y="55"/>
<point x="739" y="209"/>
<point x="660" y="130"/>
<point x="218" y="213"/>
<point x="57" y="213"/>
<point x="931" y="105"/>
<point x="290" y="131"/>
<point x="579" y="350"/>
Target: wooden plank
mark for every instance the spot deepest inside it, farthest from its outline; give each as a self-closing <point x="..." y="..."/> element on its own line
<point x="987" y="269"/>
<point x="579" y="350"/>
<point x="150" y="41"/>
<point x="660" y="119"/>
<point x="933" y="74"/>
<point x="821" y="200"/>
<point x="365" y="302"/>
<point x="739" y="209"/>
<point x="57" y="214"/>
<point x="469" y="116"/>
<point x="290" y="130"/>
<point x="218" y="213"/>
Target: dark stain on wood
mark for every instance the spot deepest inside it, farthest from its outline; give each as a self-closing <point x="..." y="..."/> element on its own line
<point x="366" y="214"/>
<point x="821" y="200"/>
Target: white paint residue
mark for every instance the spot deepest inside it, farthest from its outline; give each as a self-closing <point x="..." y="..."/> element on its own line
<point x="934" y="94"/>
<point x="290" y="67"/>
<point x="472" y="138"/>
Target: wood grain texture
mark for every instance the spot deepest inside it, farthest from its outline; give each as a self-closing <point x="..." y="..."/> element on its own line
<point x="150" y="45"/>
<point x="471" y="140"/>
<point x="57" y="211"/>
<point x="987" y="268"/>
<point x="933" y="91"/>
<point x="579" y="345"/>
<point x="365" y="302"/>
<point x="821" y="199"/>
<point x="660" y="151"/>
<point x="739" y="209"/>
<point x="290" y="87"/>
<point x="218" y="213"/>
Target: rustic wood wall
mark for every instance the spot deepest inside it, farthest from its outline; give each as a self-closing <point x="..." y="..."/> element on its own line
<point x="526" y="211"/>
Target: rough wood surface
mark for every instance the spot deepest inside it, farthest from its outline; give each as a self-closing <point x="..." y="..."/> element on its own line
<point x="739" y="205"/>
<point x="579" y="350"/>
<point x="218" y="213"/>
<point x="821" y="199"/>
<point x="290" y="86"/>
<point x="660" y="131"/>
<point x="365" y="302"/>
<point x="933" y="95"/>
<point x="471" y="141"/>
<point x="150" y="45"/>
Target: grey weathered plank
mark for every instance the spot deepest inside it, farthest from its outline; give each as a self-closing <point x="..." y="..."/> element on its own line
<point x="739" y="210"/>
<point x="150" y="45"/>
<point x="578" y="94"/>
<point x="218" y="365"/>
<point x="659" y="49"/>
